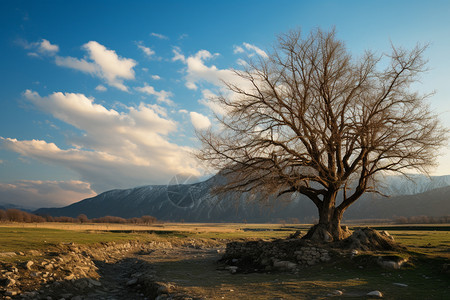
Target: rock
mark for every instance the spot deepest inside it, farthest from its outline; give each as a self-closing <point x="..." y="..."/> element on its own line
<point x="132" y="281"/>
<point x="295" y="235"/>
<point x="335" y="293"/>
<point x="400" y="284"/>
<point x="69" y="277"/>
<point x="7" y="254"/>
<point x="391" y="262"/>
<point x="29" y="264"/>
<point x="10" y="293"/>
<point x="232" y="269"/>
<point x="10" y="282"/>
<point x="163" y="290"/>
<point x="375" y="294"/>
<point x="286" y="265"/>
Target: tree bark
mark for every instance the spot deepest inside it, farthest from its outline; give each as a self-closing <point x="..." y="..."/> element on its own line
<point x="329" y="227"/>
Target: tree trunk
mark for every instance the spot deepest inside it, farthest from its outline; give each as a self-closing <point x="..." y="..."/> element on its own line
<point x="329" y="227"/>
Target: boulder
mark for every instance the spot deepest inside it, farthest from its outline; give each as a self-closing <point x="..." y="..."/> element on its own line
<point x="375" y="294"/>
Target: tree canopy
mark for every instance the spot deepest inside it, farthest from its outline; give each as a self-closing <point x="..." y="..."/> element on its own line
<point x="314" y="120"/>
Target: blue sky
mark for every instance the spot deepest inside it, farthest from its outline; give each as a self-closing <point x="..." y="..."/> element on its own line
<point x="99" y="95"/>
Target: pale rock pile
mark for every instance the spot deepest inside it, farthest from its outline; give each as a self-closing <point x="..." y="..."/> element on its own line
<point x="288" y="255"/>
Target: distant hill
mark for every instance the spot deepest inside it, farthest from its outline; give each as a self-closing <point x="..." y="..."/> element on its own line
<point x="194" y="203"/>
<point x="6" y="206"/>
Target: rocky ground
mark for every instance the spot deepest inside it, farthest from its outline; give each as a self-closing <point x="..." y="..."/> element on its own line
<point x="110" y="271"/>
<point x="192" y="269"/>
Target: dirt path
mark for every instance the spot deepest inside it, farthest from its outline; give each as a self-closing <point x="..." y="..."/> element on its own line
<point x="118" y="280"/>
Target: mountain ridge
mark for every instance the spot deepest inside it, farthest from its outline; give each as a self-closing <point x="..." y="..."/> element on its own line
<point x="194" y="203"/>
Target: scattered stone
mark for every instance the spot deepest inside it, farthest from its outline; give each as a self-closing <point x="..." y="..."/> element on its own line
<point x="69" y="277"/>
<point x="335" y="293"/>
<point x="132" y="281"/>
<point x="233" y="269"/>
<point x="375" y="294"/>
<point x="295" y="235"/>
<point x="10" y="282"/>
<point x="7" y="254"/>
<point x="400" y="284"/>
<point x="163" y="290"/>
<point x="29" y="264"/>
<point x="391" y="262"/>
<point x="11" y="293"/>
<point x="285" y="265"/>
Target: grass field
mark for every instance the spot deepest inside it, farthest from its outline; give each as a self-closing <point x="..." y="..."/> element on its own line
<point x="428" y="247"/>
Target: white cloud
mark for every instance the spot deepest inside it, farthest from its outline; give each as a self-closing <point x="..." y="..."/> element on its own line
<point x="147" y="50"/>
<point x="238" y="49"/>
<point x="116" y="149"/>
<point x="242" y="62"/>
<point x="183" y="111"/>
<point x="156" y="77"/>
<point x="105" y="64"/>
<point x="36" y="193"/>
<point x="77" y="64"/>
<point x="197" y="71"/>
<point x="161" y="96"/>
<point x="255" y="49"/>
<point x="159" y="36"/>
<point x="101" y="88"/>
<point x="46" y="47"/>
<point x="43" y="47"/>
<point x="178" y="55"/>
<point x="208" y="101"/>
<point x="199" y="121"/>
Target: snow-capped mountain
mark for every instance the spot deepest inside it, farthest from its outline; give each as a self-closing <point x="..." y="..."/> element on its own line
<point x="194" y="203"/>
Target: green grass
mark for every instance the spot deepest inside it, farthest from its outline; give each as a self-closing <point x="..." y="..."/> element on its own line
<point x="23" y="239"/>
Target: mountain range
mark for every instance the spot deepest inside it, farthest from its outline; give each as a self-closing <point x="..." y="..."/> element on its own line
<point x="419" y="195"/>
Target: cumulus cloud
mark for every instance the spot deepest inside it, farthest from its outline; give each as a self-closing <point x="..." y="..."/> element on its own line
<point x="159" y="36"/>
<point x="147" y="50"/>
<point x="197" y="71"/>
<point x="103" y="63"/>
<point x="46" y="47"/>
<point x="156" y="77"/>
<point x="208" y="101"/>
<point x="199" y="121"/>
<point x="161" y="96"/>
<point x="35" y="194"/>
<point x="116" y="149"/>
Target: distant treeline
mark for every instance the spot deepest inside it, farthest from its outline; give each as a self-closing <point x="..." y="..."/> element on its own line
<point x="422" y="220"/>
<point x="16" y="215"/>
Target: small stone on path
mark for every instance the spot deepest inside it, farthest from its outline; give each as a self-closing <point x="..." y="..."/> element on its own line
<point x="375" y="294"/>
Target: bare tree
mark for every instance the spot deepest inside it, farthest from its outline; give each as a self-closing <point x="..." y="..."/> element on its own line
<point x="317" y="122"/>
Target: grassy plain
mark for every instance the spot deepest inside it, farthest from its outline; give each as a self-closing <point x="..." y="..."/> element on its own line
<point x="195" y="271"/>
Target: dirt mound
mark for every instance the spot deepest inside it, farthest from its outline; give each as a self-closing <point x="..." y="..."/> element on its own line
<point x="368" y="239"/>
